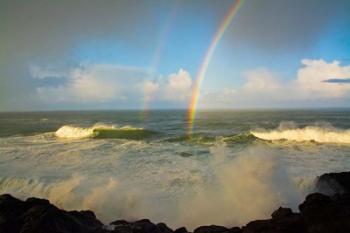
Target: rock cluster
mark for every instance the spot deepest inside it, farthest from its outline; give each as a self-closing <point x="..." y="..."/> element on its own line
<point x="39" y="216"/>
<point x="319" y="213"/>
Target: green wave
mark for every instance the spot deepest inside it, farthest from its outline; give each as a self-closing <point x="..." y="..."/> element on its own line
<point x="240" y="138"/>
<point x="136" y="134"/>
<point x="210" y="140"/>
<point x="99" y="131"/>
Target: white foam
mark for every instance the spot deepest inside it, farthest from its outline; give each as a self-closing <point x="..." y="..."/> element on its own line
<point x="75" y="132"/>
<point x="319" y="134"/>
<point x="72" y="132"/>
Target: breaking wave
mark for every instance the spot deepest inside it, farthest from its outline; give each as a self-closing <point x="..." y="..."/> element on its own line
<point x="320" y="134"/>
<point x="102" y="131"/>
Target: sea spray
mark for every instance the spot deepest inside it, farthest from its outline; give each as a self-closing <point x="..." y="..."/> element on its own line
<point x="249" y="186"/>
<point x="236" y="188"/>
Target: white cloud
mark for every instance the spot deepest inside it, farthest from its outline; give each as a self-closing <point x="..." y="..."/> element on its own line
<point x="99" y="83"/>
<point x="95" y="83"/>
<point x="150" y="89"/>
<point x="311" y="79"/>
<point x="177" y="87"/>
<point x="264" y="88"/>
<point x="261" y="80"/>
<point x="47" y="72"/>
<point x="150" y="86"/>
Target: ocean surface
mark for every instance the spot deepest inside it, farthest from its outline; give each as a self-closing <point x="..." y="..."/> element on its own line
<point x="236" y="166"/>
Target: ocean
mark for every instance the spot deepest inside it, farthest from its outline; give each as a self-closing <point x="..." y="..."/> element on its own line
<point x="237" y="166"/>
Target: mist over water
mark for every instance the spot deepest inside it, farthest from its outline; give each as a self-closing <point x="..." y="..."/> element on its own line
<point x="238" y="166"/>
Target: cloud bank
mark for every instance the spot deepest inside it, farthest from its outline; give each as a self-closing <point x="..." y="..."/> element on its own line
<point x="317" y="81"/>
<point x="101" y="83"/>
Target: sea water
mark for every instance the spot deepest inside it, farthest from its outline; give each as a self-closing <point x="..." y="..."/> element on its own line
<point x="236" y="166"/>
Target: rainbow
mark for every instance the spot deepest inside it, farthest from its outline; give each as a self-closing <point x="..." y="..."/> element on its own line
<point x="161" y="42"/>
<point x="204" y="66"/>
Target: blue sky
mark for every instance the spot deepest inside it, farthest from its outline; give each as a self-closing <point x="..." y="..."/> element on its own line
<point x="132" y="54"/>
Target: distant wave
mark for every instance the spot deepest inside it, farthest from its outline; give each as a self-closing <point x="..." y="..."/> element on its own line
<point x="239" y="138"/>
<point x="309" y="133"/>
<point x="204" y="139"/>
<point x="194" y="139"/>
<point x="102" y="131"/>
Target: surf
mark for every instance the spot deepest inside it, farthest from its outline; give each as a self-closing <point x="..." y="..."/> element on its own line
<point x="102" y="131"/>
<point x="319" y="134"/>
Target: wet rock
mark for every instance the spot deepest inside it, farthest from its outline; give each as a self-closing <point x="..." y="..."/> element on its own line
<point x="39" y="216"/>
<point x="10" y="209"/>
<point x="181" y="230"/>
<point x="235" y="230"/>
<point x="210" y="229"/>
<point x="324" y="214"/>
<point x="163" y="228"/>
<point x="122" y="229"/>
<point x="144" y="226"/>
<point x="282" y="213"/>
<point x="119" y="222"/>
<point x="283" y="221"/>
<point x="259" y="226"/>
<point x="140" y="226"/>
<point x="332" y="183"/>
<point x="121" y="226"/>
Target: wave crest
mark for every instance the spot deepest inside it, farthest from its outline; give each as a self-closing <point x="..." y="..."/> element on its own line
<point x="102" y="131"/>
<point x="321" y="134"/>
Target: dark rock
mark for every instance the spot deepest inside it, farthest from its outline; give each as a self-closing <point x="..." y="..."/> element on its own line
<point x="39" y="216"/>
<point x="210" y="229"/>
<point x="144" y="226"/>
<point x="163" y="228"/>
<point x="86" y="217"/>
<point x="235" y="230"/>
<point x="33" y="201"/>
<point x="10" y="209"/>
<point x="332" y="183"/>
<point x="122" y="229"/>
<point x="121" y="226"/>
<point x="271" y="226"/>
<point x="283" y="221"/>
<point x="324" y="214"/>
<point x="259" y="226"/>
<point x="119" y="222"/>
<point x="282" y="213"/>
<point x="181" y="230"/>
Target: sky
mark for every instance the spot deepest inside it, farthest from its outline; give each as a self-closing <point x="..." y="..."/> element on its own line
<point x="131" y="54"/>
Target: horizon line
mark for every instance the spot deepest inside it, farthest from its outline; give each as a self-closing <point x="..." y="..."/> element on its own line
<point x="178" y="109"/>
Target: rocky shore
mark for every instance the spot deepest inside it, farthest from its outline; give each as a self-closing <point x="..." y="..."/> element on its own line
<point x="319" y="213"/>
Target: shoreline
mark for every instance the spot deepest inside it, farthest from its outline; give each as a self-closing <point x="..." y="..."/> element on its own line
<point x="318" y="213"/>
